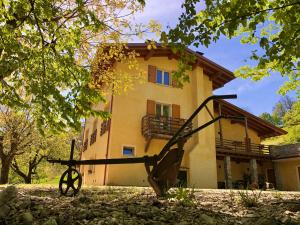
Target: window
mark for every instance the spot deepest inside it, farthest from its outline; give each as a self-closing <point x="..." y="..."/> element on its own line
<point x="128" y="151"/>
<point x="162" y="110"/>
<point x="162" y="77"/>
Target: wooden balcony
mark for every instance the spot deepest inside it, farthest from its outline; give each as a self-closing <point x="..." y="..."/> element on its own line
<point x="162" y="127"/>
<point x="105" y="125"/>
<point x="85" y="144"/>
<point x="241" y="149"/>
<point x="93" y="137"/>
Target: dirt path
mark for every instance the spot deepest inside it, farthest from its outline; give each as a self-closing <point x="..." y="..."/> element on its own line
<point x="129" y="205"/>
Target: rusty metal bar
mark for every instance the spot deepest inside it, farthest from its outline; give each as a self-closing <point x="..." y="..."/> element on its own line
<point x="149" y="159"/>
<point x="209" y="112"/>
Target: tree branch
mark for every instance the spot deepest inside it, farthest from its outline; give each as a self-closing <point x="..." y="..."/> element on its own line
<point x="17" y="169"/>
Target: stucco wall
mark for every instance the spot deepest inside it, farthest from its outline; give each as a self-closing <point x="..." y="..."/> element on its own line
<point x="238" y="169"/>
<point x="95" y="151"/>
<point x="128" y="110"/>
<point x="287" y="170"/>
<point x="202" y="157"/>
<point x="236" y="131"/>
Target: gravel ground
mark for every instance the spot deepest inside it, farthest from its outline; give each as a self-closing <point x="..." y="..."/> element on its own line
<point x="42" y="205"/>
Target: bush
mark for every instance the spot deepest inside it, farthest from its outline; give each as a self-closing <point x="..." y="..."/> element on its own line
<point x="250" y="198"/>
<point x="182" y="195"/>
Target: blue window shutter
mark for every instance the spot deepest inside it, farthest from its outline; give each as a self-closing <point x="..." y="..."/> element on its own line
<point x="159" y="76"/>
<point x="166" y="78"/>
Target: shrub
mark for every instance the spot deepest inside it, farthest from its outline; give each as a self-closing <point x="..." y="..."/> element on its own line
<point x="231" y="197"/>
<point x="182" y="195"/>
<point x="250" y="198"/>
<point x="277" y="194"/>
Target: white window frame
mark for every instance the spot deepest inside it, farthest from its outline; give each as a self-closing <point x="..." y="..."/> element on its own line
<point x="161" y="109"/>
<point x="163" y="77"/>
<point x="129" y="146"/>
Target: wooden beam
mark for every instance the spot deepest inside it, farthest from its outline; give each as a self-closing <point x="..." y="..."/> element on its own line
<point x="149" y="55"/>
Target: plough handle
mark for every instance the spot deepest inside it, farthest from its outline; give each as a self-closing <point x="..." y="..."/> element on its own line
<point x="150" y="160"/>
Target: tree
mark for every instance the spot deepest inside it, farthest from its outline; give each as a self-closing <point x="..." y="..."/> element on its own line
<point x="46" y="50"/>
<point x="53" y="145"/>
<point x="15" y="135"/>
<point x="268" y="117"/>
<point x="281" y="108"/>
<point x="292" y="117"/>
<point x="284" y="105"/>
<point x="272" y="25"/>
<point x="23" y="148"/>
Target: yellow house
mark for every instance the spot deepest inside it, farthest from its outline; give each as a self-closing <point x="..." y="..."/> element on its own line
<point x="226" y="154"/>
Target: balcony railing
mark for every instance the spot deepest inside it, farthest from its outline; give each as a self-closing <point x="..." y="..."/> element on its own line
<point x="162" y="127"/>
<point x="104" y="127"/>
<point x="93" y="137"/>
<point x="85" y="144"/>
<point x="241" y="148"/>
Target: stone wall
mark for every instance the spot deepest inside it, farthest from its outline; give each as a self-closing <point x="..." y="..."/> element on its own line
<point x="286" y="151"/>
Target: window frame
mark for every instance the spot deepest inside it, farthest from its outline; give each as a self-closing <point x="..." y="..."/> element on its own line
<point x="128" y="146"/>
<point x="162" y="110"/>
<point x="163" y="71"/>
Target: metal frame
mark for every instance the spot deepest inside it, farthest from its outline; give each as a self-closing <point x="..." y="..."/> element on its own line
<point x="161" y="176"/>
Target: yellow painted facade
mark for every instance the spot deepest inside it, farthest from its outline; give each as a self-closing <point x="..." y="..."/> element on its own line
<point x="240" y="168"/>
<point x="127" y="112"/>
<point x="200" y="161"/>
<point x="289" y="173"/>
<point x="236" y="131"/>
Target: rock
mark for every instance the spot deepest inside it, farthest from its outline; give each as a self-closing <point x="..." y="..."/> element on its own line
<point x="183" y="223"/>
<point x="265" y="221"/>
<point x="24" y="204"/>
<point x="208" y="219"/>
<point x="251" y="215"/>
<point x="27" y="218"/>
<point x="51" y="221"/>
<point x="285" y="219"/>
<point x="8" y="194"/>
<point x="4" y="211"/>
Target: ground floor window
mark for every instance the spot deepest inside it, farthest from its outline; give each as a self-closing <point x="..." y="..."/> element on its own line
<point x="128" y="151"/>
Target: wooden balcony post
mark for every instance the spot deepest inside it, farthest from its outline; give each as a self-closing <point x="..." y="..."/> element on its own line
<point x="227" y="172"/>
<point x="220" y="125"/>
<point x="253" y="171"/>
<point x="247" y="140"/>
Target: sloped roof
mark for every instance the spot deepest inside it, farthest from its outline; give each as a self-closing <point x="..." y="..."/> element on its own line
<point x="218" y="74"/>
<point x="262" y="127"/>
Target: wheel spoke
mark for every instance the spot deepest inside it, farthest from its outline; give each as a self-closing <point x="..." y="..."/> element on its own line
<point x="71" y="178"/>
<point x="67" y="189"/>
<point x="72" y="186"/>
<point x="75" y="178"/>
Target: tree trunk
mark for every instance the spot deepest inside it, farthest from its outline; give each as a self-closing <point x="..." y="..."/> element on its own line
<point x="27" y="179"/>
<point x="4" y="171"/>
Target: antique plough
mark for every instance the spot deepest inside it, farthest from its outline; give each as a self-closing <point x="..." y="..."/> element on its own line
<point x="162" y="169"/>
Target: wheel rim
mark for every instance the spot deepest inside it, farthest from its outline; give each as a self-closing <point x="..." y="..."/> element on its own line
<point x="70" y="182"/>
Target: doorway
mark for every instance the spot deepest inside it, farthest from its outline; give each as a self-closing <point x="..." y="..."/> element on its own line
<point x="182" y="178"/>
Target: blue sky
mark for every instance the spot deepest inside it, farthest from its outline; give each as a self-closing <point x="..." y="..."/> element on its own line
<point x="255" y="97"/>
